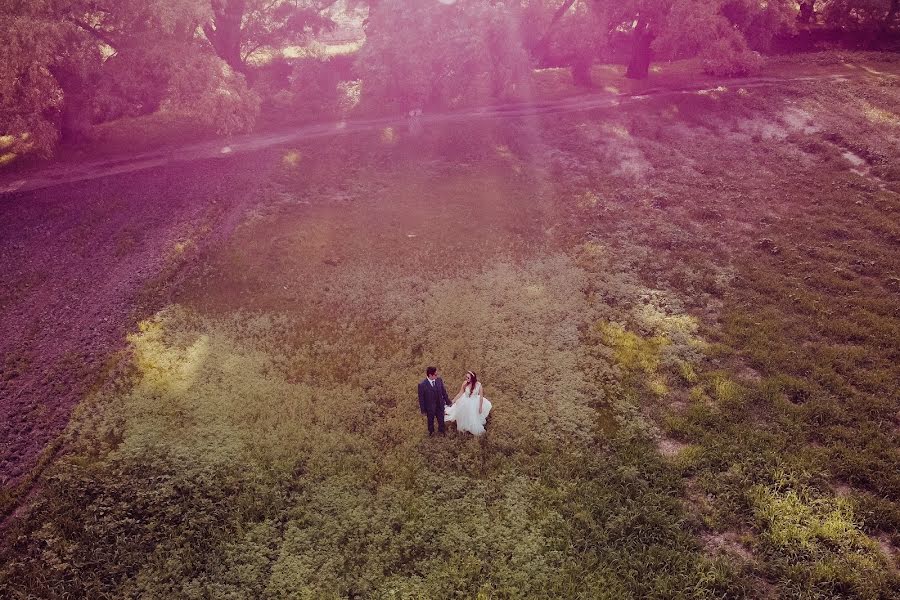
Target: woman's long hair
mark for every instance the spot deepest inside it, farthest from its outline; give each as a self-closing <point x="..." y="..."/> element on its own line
<point x="473" y="380"/>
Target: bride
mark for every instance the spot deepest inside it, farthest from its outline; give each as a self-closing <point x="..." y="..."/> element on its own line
<point x="470" y="408"/>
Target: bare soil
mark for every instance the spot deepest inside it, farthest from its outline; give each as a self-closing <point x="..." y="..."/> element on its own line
<point x="81" y="264"/>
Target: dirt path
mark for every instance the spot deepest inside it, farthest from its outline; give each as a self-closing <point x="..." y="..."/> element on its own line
<point x="62" y="174"/>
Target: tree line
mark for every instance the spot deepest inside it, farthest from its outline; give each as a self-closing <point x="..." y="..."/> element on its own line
<point x="69" y="64"/>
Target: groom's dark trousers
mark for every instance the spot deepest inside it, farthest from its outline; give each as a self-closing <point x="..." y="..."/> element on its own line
<point x="432" y="400"/>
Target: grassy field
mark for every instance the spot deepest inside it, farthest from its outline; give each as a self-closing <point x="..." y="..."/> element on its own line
<point x="685" y="312"/>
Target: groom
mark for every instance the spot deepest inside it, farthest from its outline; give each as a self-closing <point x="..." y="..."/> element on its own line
<point x="432" y="399"/>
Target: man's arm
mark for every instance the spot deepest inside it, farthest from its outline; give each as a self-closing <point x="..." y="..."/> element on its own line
<point x="421" y="399"/>
<point x="444" y="393"/>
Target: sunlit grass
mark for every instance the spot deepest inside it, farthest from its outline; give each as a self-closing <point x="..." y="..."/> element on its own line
<point x="291" y="158"/>
<point x="322" y="49"/>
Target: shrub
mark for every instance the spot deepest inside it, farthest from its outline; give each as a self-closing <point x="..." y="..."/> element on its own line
<point x="313" y="91"/>
<point x="207" y="89"/>
<point x="135" y="82"/>
<point x="176" y="78"/>
<point x="760" y="22"/>
<point x="730" y="58"/>
<point x="272" y="77"/>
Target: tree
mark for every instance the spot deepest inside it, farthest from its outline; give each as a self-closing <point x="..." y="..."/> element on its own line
<point x="62" y="55"/>
<point x="51" y="56"/>
<point x="807" y="13"/>
<point x="717" y="30"/>
<point x="544" y="42"/>
<point x="29" y="94"/>
<point x="239" y="29"/>
<point x="563" y="32"/>
<point x="861" y="14"/>
<point x="423" y="54"/>
<point x="139" y="44"/>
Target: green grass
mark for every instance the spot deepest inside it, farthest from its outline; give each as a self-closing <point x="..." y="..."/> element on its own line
<point x="705" y="274"/>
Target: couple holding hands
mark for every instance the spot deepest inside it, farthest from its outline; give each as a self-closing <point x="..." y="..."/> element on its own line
<point x="469" y="409"/>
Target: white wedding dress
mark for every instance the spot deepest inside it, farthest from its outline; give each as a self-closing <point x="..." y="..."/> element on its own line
<point x="465" y="412"/>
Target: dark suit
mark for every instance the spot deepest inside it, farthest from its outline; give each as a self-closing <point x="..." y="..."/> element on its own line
<point x="432" y="400"/>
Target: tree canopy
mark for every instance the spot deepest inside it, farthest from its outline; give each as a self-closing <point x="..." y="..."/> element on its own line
<point x="722" y="32"/>
<point x="423" y="54"/>
<point x="70" y="63"/>
<point x="67" y="61"/>
<point x="857" y="13"/>
<point x="725" y="33"/>
<point x="239" y="29"/>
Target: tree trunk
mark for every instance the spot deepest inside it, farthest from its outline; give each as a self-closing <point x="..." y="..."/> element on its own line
<point x="225" y="32"/>
<point x="581" y="72"/>
<point x="641" y="53"/>
<point x="75" y="124"/>
<point x="807" y="12"/>
<point x="75" y="114"/>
